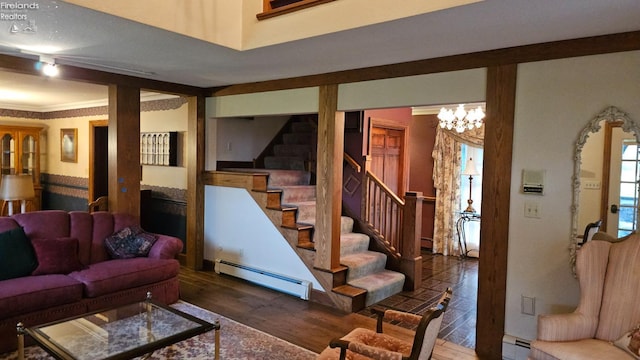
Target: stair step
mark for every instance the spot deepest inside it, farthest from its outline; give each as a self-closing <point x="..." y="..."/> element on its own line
<point x="282" y="177"/>
<point x="352" y="243"/>
<point x="306" y="211"/>
<point x="297" y="138"/>
<point x="380" y="285"/>
<point x="346" y="225"/>
<point x="284" y="162"/>
<point x="302" y="127"/>
<point x="363" y="263"/>
<point x="307" y="245"/>
<point x="298" y="150"/>
<point x="358" y="296"/>
<point x="297" y="193"/>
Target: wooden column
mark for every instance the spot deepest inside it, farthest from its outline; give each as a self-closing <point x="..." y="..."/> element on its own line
<point x="329" y="180"/>
<point x="494" y="231"/>
<point x="195" y="187"/>
<point x="124" y="149"/>
<point x="411" y="261"/>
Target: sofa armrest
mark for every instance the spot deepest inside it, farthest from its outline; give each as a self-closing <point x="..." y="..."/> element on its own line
<point x="566" y="327"/>
<point x="165" y="247"/>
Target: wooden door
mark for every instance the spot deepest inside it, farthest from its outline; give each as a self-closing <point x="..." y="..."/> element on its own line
<point x="98" y="159"/>
<point x="387" y="157"/>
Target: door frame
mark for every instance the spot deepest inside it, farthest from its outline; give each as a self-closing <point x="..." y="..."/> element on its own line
<point x="92" y="125"/>
<point x="606" y="170"/>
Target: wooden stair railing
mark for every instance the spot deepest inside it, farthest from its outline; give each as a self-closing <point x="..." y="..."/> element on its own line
<point x="396" y="226"/>
<point x="382" y="209"/>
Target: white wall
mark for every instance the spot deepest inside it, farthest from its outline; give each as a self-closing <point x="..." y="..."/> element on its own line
<point x="167" y="120"/>
<point x="243" y="139"/>
<point x="555" y="101"/>
<point x="150" y="121"/>
<point x="237" y="230"/>
<point x="50" y="145"/>
<point x="281" y="102"/>
<point x="464" y="86"/>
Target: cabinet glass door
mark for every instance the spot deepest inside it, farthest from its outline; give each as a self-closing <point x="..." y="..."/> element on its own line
<point x="28" y="158"/>
<point x="7" y="143"/>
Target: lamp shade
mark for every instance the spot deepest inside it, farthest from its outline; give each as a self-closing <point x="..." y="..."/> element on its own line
<point x="470" y="168"/>
<point x="17" y="187"/>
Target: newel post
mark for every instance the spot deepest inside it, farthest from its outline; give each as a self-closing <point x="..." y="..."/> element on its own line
<point x="411" y="258"/>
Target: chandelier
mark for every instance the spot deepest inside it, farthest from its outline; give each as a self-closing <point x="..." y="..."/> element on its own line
<point x="461" y="119"/>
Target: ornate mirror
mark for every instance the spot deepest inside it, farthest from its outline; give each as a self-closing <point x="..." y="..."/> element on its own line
<point x="590" y="170"/>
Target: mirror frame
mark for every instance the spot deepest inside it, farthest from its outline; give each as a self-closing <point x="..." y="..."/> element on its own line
<point x="610" y="115"/>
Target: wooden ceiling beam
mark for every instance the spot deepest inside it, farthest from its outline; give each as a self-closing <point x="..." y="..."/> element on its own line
<point x="628" y="41"/>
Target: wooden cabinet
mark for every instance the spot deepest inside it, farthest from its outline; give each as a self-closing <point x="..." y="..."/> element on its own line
<point x="20" y="146"/>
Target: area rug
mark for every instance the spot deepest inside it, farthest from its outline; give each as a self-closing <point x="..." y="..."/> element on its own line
<point x="237" y="341"/>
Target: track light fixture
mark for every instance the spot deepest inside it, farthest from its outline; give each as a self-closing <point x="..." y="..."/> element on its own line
<point x="48" y="66"/>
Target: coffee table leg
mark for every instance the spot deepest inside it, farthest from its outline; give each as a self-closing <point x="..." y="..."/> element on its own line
<point x="217" y="340"/>
<point x="20" y="328"/>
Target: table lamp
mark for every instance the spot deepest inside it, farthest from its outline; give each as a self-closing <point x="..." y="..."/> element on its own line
<point x="470" y="170"/>
<point x="17" y="187"/>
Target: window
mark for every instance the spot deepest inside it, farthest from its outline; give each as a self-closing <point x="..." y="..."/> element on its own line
<point x="472" y="230"/>
<point x="627" y="220"/>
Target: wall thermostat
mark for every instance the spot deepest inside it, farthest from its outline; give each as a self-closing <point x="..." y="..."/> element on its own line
<point x="533" y="182"/>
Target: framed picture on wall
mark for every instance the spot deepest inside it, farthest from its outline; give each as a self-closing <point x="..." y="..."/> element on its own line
<point x="69" y="145"/>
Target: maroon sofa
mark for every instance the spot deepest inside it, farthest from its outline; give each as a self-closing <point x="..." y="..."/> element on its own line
<point x="101" y="282"/>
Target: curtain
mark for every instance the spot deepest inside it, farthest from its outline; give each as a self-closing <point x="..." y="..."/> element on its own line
<point x="446" y="180"/>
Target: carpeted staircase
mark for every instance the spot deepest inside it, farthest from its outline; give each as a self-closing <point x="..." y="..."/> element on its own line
<point x="288" y="172"/>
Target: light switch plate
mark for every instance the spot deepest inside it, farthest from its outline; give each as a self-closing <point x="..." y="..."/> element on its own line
<point x="528" y="305"/>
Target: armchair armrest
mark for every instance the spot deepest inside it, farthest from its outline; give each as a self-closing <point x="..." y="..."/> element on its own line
<point x="165" y="247"/>
<point x="366" y="350"/>
<point x="566" y="327"/>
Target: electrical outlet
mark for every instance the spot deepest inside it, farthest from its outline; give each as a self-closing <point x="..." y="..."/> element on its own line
<point x="532" y="209"/>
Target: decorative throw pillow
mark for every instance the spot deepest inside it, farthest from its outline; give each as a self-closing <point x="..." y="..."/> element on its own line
<point x="17" y="258"/>
<point x="129" y="242"/>
<point x="630" y="342"/>
<point x="56" y="256"/>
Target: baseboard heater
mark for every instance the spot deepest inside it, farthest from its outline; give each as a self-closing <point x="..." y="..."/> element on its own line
<point x="285" y="284"/>
<point x="512" y="340"/>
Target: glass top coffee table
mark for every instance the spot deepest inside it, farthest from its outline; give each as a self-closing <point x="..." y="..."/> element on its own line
<point x="120" y="333"/>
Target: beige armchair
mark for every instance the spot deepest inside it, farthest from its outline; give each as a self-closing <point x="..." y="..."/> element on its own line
<point x="602" y="325"/>
<point x="361" y="344"/>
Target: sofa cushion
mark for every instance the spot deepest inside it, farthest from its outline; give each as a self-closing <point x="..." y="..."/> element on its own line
<point x="82" y="229"/>
<point x="16" y="254"/>
<point x="33" y="293"/>
<point x="129" y="242"/>
<point x="577" y="350"/>
<point x="56" y="256"/>
<point x="114" y="275"/>
<point x="44" y="223"/>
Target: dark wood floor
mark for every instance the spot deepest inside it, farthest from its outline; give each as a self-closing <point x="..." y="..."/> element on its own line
<point x="438" y="273"/>
<point x="312" y="325"/>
